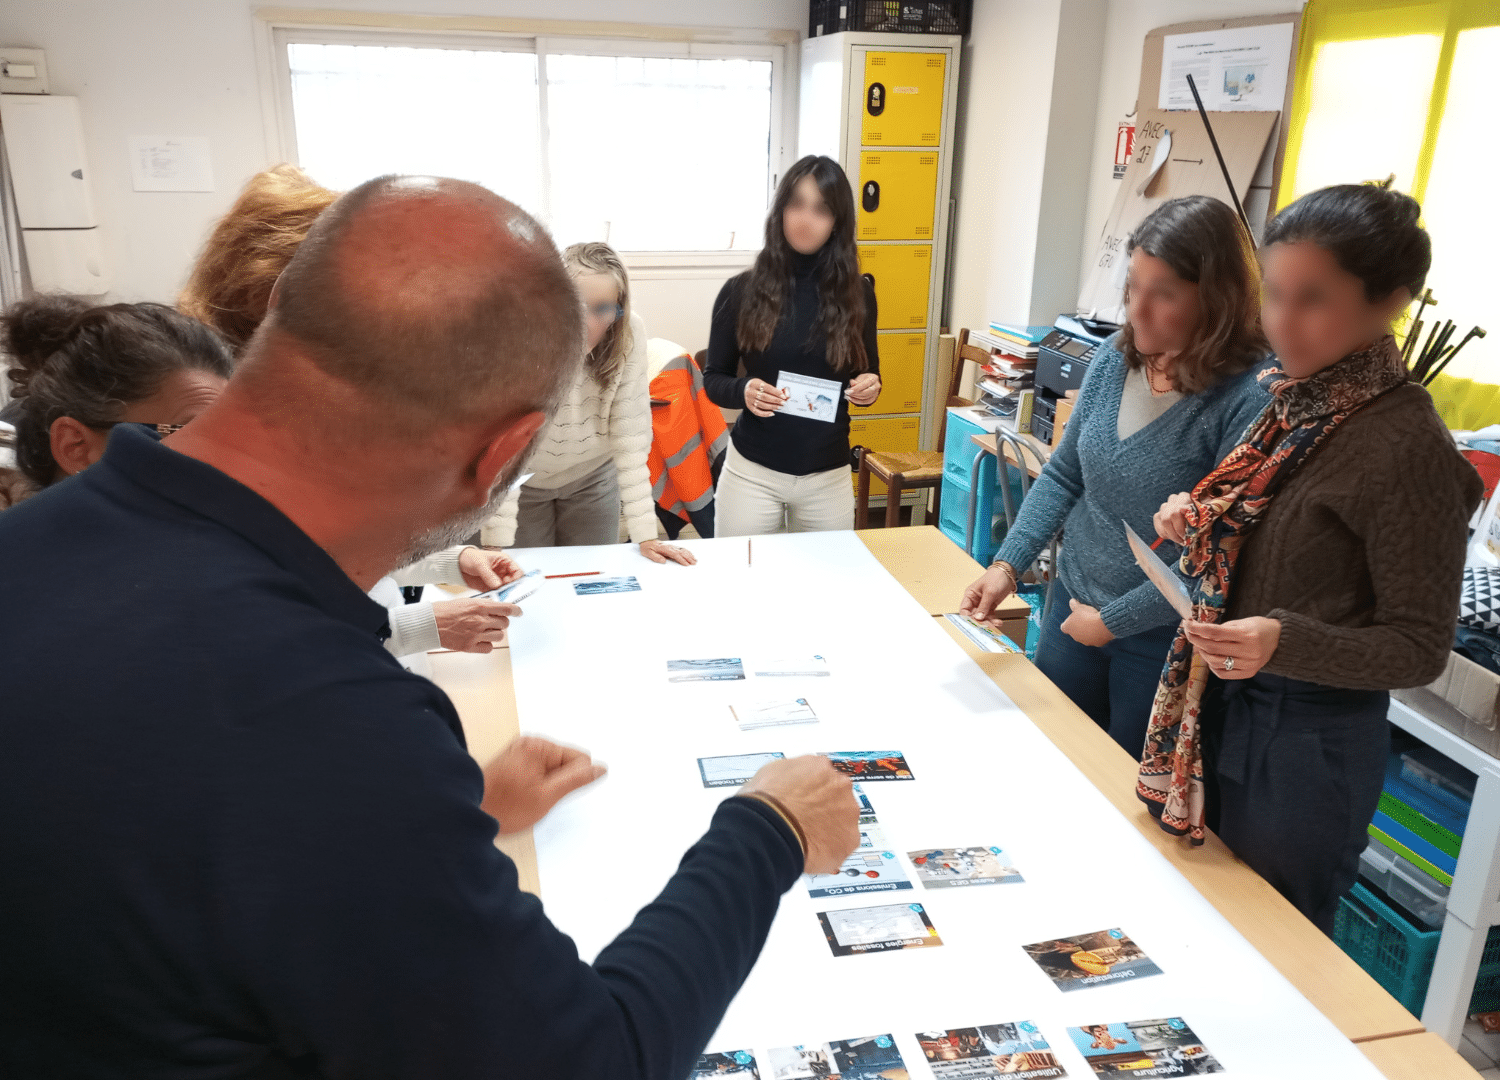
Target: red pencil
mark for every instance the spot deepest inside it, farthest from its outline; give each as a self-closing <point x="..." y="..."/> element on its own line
<point x="581" y="573"/>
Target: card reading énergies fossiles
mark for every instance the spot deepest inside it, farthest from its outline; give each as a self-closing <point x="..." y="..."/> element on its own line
<point x="852" y="931"/>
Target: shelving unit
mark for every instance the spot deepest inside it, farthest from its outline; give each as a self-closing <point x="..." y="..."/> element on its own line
<point x="1474" y="899"/>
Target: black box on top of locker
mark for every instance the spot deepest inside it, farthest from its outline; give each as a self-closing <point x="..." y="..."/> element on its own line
<point x="889" y="16"/>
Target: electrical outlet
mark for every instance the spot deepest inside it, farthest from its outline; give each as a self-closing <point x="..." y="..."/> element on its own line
<point x="23" y="71"/>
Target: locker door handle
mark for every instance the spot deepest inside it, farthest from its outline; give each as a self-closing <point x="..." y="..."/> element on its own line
<point x="869" y="196"/>
<point x="875" y="98"/>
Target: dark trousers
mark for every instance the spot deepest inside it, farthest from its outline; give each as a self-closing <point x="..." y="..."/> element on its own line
<point x="1115" y="683"/>
<point x="1293" y="772"/>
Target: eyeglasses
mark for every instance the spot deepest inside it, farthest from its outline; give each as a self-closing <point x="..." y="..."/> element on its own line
<point x="161" y="429"/>
<point x="605" y="312"/>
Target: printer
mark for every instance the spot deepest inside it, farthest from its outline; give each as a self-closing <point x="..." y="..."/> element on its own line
<point x="1062" y="360"/>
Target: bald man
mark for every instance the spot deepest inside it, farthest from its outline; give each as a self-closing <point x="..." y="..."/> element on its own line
<point x="236" y="838"/>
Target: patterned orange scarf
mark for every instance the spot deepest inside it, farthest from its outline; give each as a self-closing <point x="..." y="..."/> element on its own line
<point x="1226" y="506"/>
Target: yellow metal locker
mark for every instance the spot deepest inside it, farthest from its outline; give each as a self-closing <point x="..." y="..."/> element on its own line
<point x="903" y="276"/>
<point x="897" y="194"/>
<point x="903" y="98"/>
<point x="903" y="359"/>
<point x="891" y="433"/>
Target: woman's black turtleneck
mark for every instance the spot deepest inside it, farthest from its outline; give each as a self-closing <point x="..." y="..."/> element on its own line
<point x="786" y="443"/>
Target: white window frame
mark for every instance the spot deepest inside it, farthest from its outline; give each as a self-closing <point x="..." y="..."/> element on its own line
<point x="275" y="29"/>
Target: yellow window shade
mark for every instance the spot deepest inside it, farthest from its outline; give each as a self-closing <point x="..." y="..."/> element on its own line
<point x="1404" y="87"/>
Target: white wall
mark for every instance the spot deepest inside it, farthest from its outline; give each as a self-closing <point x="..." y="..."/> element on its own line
<point x="188" y="68"/>
<point x="1008" y="64"/>
<point x="1044" y="83"/>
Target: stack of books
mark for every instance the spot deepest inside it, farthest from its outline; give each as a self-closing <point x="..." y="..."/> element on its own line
<point x="1005" y="385"/>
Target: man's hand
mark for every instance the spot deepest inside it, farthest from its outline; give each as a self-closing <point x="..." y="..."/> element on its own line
<point x="863" y="389"/>
<point x="1247" y="644"/>
<point x="486" y="570"/>
<point x="1085" y="626"/>
<point x="985" y="595"/>
<point x="529" y="777"/>
<point x="1170" y="521"/>
<point x="658" y="551"/>
<point x="821" y="799"/>
<point x="472" y="624"/>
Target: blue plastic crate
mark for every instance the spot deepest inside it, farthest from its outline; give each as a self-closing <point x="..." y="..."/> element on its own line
<point x="1396" y="954"/>
<point x="1486" y="996"/>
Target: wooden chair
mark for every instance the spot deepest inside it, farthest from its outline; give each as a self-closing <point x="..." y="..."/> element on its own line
<point x="913" y="470"/>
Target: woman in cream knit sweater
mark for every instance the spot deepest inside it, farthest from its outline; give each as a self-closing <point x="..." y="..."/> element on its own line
<point x="591" y="456"/>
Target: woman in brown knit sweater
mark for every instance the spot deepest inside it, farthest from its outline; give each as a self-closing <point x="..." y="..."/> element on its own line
<point x="1341" y="520"/>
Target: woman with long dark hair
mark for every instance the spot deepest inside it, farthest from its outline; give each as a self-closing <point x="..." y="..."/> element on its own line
<point x="802" y="322"/>
<point x="1340" y="521"/>
<point x="1161" y="402"/>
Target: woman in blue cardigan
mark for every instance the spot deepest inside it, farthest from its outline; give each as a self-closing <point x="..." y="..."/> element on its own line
<point x="1162" y="402"/>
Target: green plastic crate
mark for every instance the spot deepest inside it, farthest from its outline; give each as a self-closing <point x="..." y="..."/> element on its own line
<point x="1396" y="954"/>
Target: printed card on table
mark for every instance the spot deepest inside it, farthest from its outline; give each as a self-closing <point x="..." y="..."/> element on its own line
<point x="732" y="770"/>
<point x="603" y="585"/>
<point x="873" y="1057"/>
<point x="1014" y="1051"/>
<point x="871" y="764"/>
<point x="960" y="867"/>
<point x="717" y="669"/>
<point x="739" y="1064"/>
<point x="852" y="931"/>
<point x="808" y="665"/>
<point x="1155" y="1048"/>
<point x="773" y="712"/>
<point x="1097" y="959"/>
<point x="873" y="867"/>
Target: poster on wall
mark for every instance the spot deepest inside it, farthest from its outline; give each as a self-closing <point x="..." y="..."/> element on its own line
<point x="1236" y="69"/>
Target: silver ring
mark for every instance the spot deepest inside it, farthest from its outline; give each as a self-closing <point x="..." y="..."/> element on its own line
<point x="1228" y="663"/>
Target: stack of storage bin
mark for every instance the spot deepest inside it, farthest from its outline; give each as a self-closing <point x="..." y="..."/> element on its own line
<point x="1391" y="921"/>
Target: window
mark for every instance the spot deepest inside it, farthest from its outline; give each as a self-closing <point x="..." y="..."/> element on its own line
<point x="653" y="148"/>
<point x="1403" y="88"/>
